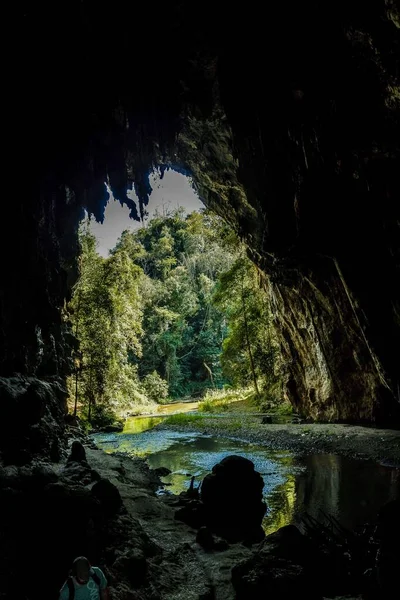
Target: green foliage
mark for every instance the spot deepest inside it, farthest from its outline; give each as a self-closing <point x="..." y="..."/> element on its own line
<point x="184" y="419"/>
<point x="220" y="400"/>
<point x="176" y="310"/>
<point x="182" y="258"/>
<point x="101" y="415"/>
<point x="250" y="354"/>
<point x="155" y="387"/>
<point x="106" y="317"/>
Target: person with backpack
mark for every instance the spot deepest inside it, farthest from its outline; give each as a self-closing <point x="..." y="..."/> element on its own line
<point x="84" y="582"/>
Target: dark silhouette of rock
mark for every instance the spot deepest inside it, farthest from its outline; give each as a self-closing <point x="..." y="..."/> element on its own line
<point x="192" y="513"/>
<point x="276" y="579"/>
<point x="70" y="419"/>
<point x="32" y="418"/>
<point x="286" y="565"/>
<point x="134" y="565"/>
<point x="205" y="538"/>
<point x="232" y="499"/>
<point x="95" y="476"/>
<point x="77" y="472"/>
<point x="108" y="495"/>
<point x="78" y="453"/>
<point x="162" y="471"/>
<point x="388" y="536"/>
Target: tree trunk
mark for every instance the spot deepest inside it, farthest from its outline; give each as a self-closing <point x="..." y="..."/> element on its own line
<point x="76" y="389"/>
<point x="210" y="374"/>
<point x="246" y="330"/>
<point x="90" y="396"/>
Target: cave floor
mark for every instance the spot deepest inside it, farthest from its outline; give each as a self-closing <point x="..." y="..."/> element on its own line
<point x="186" y="571"/>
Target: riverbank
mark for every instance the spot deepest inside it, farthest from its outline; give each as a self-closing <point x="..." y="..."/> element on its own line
<point x="172" y="565"/>
<point x="353" y="441"/>
<point x="176" y="567"/>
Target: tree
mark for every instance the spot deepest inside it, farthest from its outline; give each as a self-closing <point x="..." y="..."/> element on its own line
<point x="106" y="316"/>
<point x="183" y="257"/>
<point x="249" y="352"/>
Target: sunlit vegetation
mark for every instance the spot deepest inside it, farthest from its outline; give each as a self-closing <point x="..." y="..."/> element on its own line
<point x="220" y="400"/>
<point x="176" y="311"/>
<point x="184" y="419"/>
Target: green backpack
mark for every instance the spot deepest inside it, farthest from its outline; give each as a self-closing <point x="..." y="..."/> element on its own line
<point x="71" y="585"/>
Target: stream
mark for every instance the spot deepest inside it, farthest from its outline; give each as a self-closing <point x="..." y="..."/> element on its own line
<point x="317" y="484"/>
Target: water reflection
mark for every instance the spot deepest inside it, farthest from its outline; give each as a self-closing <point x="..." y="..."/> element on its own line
<point x="140" y="424"/>
<point x="281" y="504"/>
<point x="350" y="490"/>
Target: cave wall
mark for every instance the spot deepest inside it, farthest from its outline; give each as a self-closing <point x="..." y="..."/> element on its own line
<point x="288" y="121"/>
<point x="318" y="155"/>
<point x="332" y="372"/>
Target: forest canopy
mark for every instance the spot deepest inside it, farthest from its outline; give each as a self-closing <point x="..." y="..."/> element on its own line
<point x="176" y="310"/>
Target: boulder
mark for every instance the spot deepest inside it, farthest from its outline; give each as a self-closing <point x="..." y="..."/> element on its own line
<point x="78" y="453"/>
<point x="232" y="500"/>
<point x="286" y="565"/>
<point x="108" y="495"/>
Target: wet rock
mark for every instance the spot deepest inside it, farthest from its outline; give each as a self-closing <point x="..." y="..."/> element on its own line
<point x="232" y="499"/>
<point x="108" y="495"/>
<point x="162" y="471"/>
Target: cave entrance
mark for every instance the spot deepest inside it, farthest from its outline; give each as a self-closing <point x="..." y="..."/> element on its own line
<point x="168" y="309"/>
<point x="170" y="191"/>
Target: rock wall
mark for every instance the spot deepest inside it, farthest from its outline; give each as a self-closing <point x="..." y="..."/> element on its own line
<point x="332" y="371"/>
